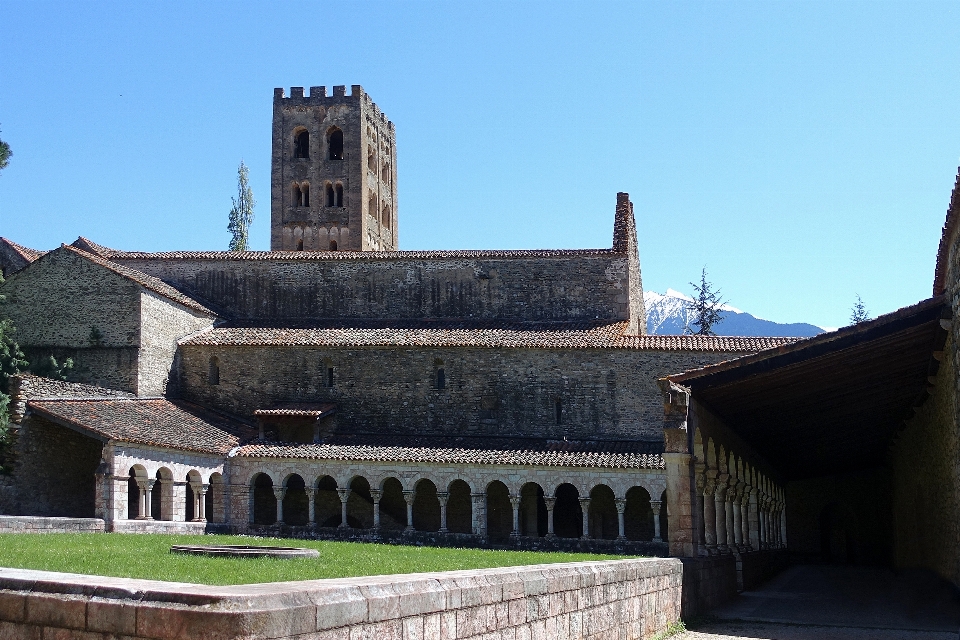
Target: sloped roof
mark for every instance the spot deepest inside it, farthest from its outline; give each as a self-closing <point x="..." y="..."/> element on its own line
<point x="461" y="333"/>
<point x="85" y="244"/>
<point x="949" y="225"/>
<point x="147" y="282"/>
<point x="173" y="424"/>
<point x="297" y="410"/>
<point x="466" y="450"/>
<point x="280" y="256"/>
<point x="26" y="253"/>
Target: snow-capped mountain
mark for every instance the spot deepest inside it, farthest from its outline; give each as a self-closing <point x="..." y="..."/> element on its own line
<point x="669" y="315"/>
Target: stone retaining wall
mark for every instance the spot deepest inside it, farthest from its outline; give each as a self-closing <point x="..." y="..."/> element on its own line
<point x="32" y="524"/>
<point x="707" y="583"/>
<point x="621" y="599"/>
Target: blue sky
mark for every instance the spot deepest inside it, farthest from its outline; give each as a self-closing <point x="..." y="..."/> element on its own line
<point x="803" y="152"/>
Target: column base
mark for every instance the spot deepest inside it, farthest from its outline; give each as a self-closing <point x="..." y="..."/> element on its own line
<point x="654" y="540"/>
<point x="550" y="535"/>
<point x="443" y="530"/>
<point x="622" y="538"/>
<point x="343" y="525"/>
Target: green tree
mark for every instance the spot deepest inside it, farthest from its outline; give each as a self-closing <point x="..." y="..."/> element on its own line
<point x="705" y="307"/>
<point x="858" y="312"/>
<point x="12" y="362"/>
<point x="5" y="154"/>
<point x="241" y="215"/>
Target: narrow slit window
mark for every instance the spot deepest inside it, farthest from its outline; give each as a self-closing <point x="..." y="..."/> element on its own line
<point x="213" y="375"/>
<point x="297" y="195"/>
<point x="441" y="378"/>
<point x="338" y="193"/>
<point x="559" y="411"/>
<point x="330" y="377"/>
<point x="336" y="145"/>
<point x="305" y="194"/>
<point x="301" y="144"/>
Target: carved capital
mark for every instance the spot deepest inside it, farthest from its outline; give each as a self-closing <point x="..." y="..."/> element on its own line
<point x="409" y="496"/>
<point x="550" y="502"/>
<point x="344" y="494"/>
<point x="621" y="505"/>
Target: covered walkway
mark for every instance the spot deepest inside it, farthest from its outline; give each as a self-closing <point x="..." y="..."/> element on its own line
<point x="827" y="602"/>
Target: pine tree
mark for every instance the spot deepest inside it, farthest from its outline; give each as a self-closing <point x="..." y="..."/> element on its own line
<point x="705" y="307"/>
<point x="859" y="313"/>
<point x="241" y="215"/>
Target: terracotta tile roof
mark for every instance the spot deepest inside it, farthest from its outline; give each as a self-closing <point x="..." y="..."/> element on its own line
<point x="147" y="282"/>
<point x="459" y="333"/>
<point x="174" y="424"/>
<point x="298" y="410"/>
<point x="466" y="450"/>
<point x="85" y="244"/>
<point x="949" y="225"/>
<point x="280" y="256"/>
<point x="26" y="253"/>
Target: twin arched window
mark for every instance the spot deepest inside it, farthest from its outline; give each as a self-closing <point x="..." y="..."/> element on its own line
<point x="301" y="194"/>
<point x="334" y="195"/>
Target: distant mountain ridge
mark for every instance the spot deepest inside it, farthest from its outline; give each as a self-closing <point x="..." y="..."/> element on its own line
<point x="667" y="314"/>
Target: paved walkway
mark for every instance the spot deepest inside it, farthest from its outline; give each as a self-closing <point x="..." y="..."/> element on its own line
<point x="838" y="603"/>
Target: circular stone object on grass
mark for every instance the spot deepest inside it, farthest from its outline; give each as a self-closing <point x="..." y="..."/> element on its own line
<point x="244" y="551"/>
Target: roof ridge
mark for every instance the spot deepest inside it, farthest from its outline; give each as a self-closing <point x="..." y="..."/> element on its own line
<point x="357" y="255"/>
<point x="90" y="246"/>
<point x="943" y="250"/>
<point x="24" y="252"/>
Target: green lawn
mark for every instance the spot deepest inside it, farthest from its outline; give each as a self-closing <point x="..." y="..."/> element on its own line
<point x="148" y="556"/>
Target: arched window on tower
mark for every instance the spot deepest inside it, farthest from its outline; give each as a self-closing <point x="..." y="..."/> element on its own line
<point x="336" y="144"/>
<point x="385" y="216"/>
<point x="338" y="195"/>
<point x="330" y="197"/>
<point x="333" y="245"/>
<point x="372" y="206"/>
<point x="305" y="194"/>
<point x="300" y="244"/>
<point x="301" y="144"/>
<point x="371" y="159"/>
<point x="297" y="195"/>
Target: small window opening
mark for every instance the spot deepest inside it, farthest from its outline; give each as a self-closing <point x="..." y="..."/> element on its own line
<point x="371" y="159"/>
<point x="300" y="244"/>
<point x="338" y="195"/>
<point x="559" y="410"/>
<point x="305" y="194"/>
<point x="385" y="173"/>
<point x="333" y="247"/>
<point x="213" y="375"/>
<point x="336" y="145"/>
<point x="330" y="375"/>
<point x="329" y="191"/>
<point x="372" y="206"/>
<point x="385" y="220"/>
<point x="297" y="196"/>
<point x="441" y="378"/>
<point x="301" y="145"/>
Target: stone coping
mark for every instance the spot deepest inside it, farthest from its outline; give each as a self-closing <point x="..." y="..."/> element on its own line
<point x="154" y="609"/>
<point x="37" y="524"/>
<point x="244" y="551"/>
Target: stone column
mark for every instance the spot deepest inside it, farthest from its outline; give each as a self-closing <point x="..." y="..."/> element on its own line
<point x="585" y="508"/>
<point x="146" y="498"/>
<point x="753" y="521"/>
<point x="551" y="503"/>
<point x="375" y="496"/>
<point x="738" y="516"/>
<point x="710" y="512"/>
<point x="202" y="502"/>
<point x="279" y="493"/>
<point x="344" y="496"/>
<point x="621" y="507"/>
<point x="311" y="505"/>
<point x="783" y="524"/>
<point x="101" y="509"/>
<point x="409" y="497"/>
<point x="479" y="514"/>
<point x="728" y="513"/>
<point x="515" y="503"/>
<point x="745" y="517"/>
<point x="655" y="506"/>
<point x="443" y="497"/>
<point x="720" y="502"/>
<point x="699" y="533"/>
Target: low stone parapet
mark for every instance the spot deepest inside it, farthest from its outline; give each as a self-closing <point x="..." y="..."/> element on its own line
<point x="35" y="524"/>
<point x="619" y="599"/>
<point x="167" y="526"/>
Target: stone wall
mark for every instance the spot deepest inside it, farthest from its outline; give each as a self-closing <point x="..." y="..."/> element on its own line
<point x="31" y="524"/>
<point x="707" y="583"/>
<point x="604" y="394"/>
<point x="541" y="286"/>
<point x="926" y="474"/>
<point x="162" y="324"/>
<point x="61" y="301"/>
<point x="616" y="600"/>
<point x="53" y="471"/>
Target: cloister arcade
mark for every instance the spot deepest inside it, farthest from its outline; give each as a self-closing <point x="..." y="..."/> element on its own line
<point x="625" y="507"/>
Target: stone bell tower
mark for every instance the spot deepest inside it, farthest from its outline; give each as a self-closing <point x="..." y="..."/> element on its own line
<point x="333" y="173"/>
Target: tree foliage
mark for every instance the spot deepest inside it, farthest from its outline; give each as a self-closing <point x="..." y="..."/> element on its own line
<point x="5" y="154"/>
<point x="12" y="362"/>
<point x="241" y="214"/>
<point x="705" y="307"/>
<point x="858" y="312"/>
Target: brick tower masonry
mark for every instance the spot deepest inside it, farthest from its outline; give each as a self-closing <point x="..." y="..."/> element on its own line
<point x="334" y="173"/>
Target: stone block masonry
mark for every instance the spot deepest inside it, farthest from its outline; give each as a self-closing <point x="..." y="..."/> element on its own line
<point x="31" y="524"/>
<point x="620" y="599"/>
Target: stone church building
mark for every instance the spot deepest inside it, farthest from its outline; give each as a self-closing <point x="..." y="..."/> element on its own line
<point x="338" y="387"/>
